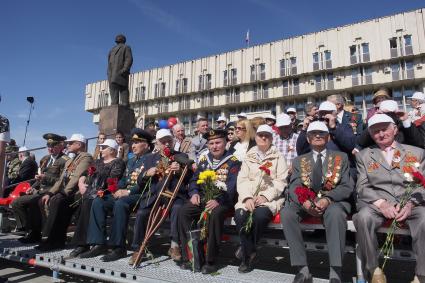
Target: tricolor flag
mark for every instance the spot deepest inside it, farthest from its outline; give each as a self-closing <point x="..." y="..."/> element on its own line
<point x="247" y="38"/>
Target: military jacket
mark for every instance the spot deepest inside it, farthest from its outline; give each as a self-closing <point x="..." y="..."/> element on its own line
<point x="134" y="167"/>
<point x="13" y="169"/>
<point x="51" y="171"/>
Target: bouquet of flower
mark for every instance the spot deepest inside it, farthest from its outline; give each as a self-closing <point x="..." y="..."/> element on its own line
<point x="415" y="180"/>
<point x="111" y="188"/>
<point x="265" y="171"/>
<point x="91" y="171"/>
<point x="212" y="188"/>
<point x="304" y="194"/>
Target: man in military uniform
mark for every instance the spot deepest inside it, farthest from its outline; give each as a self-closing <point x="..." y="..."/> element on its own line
<point x="121" y="203"/>
<point x="51" y="166"/>
<point x="227" y="167"/>
<point x="61" y="194"/>
<point x="325" y="174"/>
<point x="12" y="165"/>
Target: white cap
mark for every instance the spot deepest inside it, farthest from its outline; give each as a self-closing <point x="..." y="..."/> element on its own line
<point x="242" y="114"/>
<point x="23" y="148"/>
<point x="291" y="110"/>
<point x="163" y="133"/>
<point x="270" y="116"/>
<point x="317" y="126"/>
<point x="418" y="96"/>
<point x="221" y="118"/>
<point x="388" y="106"/>
<point x="327" y="106"/>
<point x="379" y="118"/>
<point x="76" y="137"/>
<point x="283" y="120"/>
<point x="265" y="129"/>
<point x="110" y="143"/>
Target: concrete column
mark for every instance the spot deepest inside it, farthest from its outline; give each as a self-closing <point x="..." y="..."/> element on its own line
<point x="279" y="108"/>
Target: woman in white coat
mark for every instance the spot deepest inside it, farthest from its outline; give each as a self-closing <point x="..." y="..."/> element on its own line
<point x="260" y="186"/>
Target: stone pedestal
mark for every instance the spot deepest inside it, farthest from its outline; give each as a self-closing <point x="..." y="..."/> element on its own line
<point x="116" y="118"/>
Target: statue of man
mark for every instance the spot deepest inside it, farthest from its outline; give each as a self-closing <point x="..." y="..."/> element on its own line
<point x="120" y="60"/>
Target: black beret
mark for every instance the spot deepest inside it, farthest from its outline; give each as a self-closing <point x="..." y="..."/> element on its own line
<point x="141" y="135"/>
<point x="53" y="139"/>
<point x="215" y="134"/>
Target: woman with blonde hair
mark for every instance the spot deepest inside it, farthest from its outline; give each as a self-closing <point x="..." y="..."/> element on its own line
<point x="257" y="121"/>
<point x="245" y="134"/>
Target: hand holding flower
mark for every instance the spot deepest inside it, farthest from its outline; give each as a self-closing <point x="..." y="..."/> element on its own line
<point x="250" y="204"/>
<point x="259" y="200"/>
<point x="211" y="204"/>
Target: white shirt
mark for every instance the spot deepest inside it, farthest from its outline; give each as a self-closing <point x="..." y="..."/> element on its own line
<point x="339" y="116"/>
<point x="240" y="150"/>
<point x="315" y="153"/>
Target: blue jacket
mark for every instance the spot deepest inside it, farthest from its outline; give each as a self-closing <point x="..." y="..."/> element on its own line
<point x="133" y="164"/>
<point x="229" y="166"/>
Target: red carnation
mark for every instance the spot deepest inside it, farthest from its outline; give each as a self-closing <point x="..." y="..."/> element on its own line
<point x="304" y="194"/>
<point x="167" y="152"/>
<point x="91" y="170"/>
<point x="419" y="178"/>
<point x="112" y="184"/>
<point x="100" y="193"/>
<point x="265" y="170"/>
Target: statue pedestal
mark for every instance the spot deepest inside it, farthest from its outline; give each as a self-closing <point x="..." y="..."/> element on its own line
<point x="116" y="118"/>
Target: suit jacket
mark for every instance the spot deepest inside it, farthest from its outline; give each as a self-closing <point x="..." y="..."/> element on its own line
<point x="199" y="143"/>
<point x="120" y="60"/>
<point x="27" y="170"/>
<point x="379" y="180"/>
<point x="186" y="146"/>
<point x="74" y="168"/>
<point x="51" y="171"/>
<point x="341" y="191"/>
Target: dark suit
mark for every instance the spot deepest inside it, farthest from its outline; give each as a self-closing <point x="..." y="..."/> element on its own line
<point x="120" y="60"/>
<point x="347" y="119"/>
<point x="27" y="171"/>
<point x="334" y="217"/>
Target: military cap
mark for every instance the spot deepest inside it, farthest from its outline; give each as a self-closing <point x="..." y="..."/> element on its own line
<point x="141" y="135"/>
<point x="53" y="139"/>
<point x="11" y="148"/>
<point x="215" y="134"/>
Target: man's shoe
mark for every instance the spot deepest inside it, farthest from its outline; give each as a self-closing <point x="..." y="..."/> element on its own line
<point x="244" y="268"/>
<point x="78" y="250"/>
<point x="133" y="258"/>
<point x="30" y="238"/>
<point x="94" y="251"/>
<point x="114" y="255"/>
<point x="186" y="265"/>
<point x="378" y="276"/>
<point x="209" y="268"/>
<point x="175" y="253"/>
<point x="301" y="278"/>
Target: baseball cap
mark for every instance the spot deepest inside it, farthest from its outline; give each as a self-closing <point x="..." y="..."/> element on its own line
<point x="76" y="137"/>
<point x="110" y="143"/>
<point x="283" y="120"/>
<point x="265" y="129"/>
<point x="163" y="133"/>
<point x="379" y="118"/>
<point x="327" y="106"/>
<point x="317" y="126"/>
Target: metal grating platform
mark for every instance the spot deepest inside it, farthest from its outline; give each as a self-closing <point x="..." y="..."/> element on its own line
<point x="160" y="269"/>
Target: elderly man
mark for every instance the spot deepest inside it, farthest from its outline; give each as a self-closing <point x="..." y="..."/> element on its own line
<point x="182" y="143"/>
<point x="380" y="95"/>
<point x="27" y="169"/>
<point x="417" y="101"/>
<point x="311" y="110"/>
<point x="380" y="186"/>
<point x="61" y="195"/>
<point x="286" y="141"/>
<point x="325" y="174"/>
<point x="227" y="167"/>
<point x="26" y="207"/>
<point x="198" y="141"/>
<point x="221" y="122"/>
<point x="292" y="112"/>
<point x="156" y="167"/>
<point x="344" y="117"/>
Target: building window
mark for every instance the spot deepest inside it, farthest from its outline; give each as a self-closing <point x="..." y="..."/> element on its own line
<point x="262" y="71"/>
<point x="293" y="65"/>
<point x="315" y="61"/>
<point x="234" y="76"/>
<point x="367" y="75"/>
<point x="328" y="59"/>
<point x="365" y="52"/>
<point x="409" y="70"/>
<point x="282" y="67"/>
<point x="395" y="70"/>
<point x="408" y="50"/>
<point x="232" y="95"/>
<point x="177" y="86"/>
<point x="353" y="54"/>
<point x="253" y="75"/>
<point x="184" y="85"/>
<point x="200" y="83"/>
<point x="296" y="86"/>
<point x="155" y="90"/>
<point x="225" y="78"/>
<point x="393" y="47"/>
<point x="208" y="82"/>
<point x="355" y="76"/>
<point x="162" y="89"/>
<point x="318" y="82"/>
<point x="140" y="93"/>
<point x="330" y="80"/>
<point x="260" y="91"/>
<point x="285" y="85"/>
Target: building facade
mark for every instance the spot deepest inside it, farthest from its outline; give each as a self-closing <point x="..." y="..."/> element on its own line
<point x="353" y="60"/>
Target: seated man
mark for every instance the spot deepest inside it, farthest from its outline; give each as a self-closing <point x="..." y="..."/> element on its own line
<point x="157" y="166"/>
<point x="60" y="197"/>
<point x="323" y="173"/>
<point x="121" y="203"/>
<point x="380" y="185"/>
<point x="227" y="167"/>
<point x="26" y="207"/>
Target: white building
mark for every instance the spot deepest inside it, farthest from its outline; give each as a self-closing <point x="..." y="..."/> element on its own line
<point x="353" y="60"/>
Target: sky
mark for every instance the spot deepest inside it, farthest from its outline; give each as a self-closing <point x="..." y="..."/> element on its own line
<point x="50" y="49"/>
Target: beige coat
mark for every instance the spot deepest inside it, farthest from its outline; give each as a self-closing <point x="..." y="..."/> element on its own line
<point x="272" y="186"/>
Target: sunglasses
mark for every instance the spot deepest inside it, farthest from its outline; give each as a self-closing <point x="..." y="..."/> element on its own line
<point x="240" y="128"/>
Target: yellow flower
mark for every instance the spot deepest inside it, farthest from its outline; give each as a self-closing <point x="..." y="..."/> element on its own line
<point x="200" y="182"/>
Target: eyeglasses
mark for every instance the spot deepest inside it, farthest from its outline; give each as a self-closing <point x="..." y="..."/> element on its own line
<point x="318" y="133"/>
<point x="240" y="129"/>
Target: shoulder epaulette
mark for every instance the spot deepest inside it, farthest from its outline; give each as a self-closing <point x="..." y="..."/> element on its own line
<point x="234" y="158"/>
<point x="65" y="157"/>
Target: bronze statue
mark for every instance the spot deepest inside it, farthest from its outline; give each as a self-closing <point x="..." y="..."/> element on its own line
<point x="120" y="60"/>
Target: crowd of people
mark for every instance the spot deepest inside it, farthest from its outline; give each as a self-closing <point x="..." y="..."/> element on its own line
<point x="331" y="165"/>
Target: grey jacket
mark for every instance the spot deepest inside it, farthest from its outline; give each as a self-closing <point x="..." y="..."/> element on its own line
<point x="379" y="180"/>
<point x="120" y="60"/>
<point x="199" y="144"/>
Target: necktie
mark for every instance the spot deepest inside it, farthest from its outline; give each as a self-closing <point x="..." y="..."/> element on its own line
<point x="317" y="173"/>
<point x="389" y="154"/>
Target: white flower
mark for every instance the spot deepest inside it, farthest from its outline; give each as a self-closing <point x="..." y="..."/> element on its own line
<point x="417" y="164"/>
<point x="408" y="177"/>
<point x="221" y="185"/>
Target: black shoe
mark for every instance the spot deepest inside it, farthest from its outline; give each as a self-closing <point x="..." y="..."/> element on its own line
<point x="209" y="268"/>
<point x="30" y="238"/>
<point x="244" y="268"/>
<point x="301" y="278"/>
<point x="77" y="251"/>
<point x="114" y="255"/>
<point x="186" y="265"/>
<point x="94" y="251"/>
<point x="48" y="246"/>
<point x="3" y="280"/>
